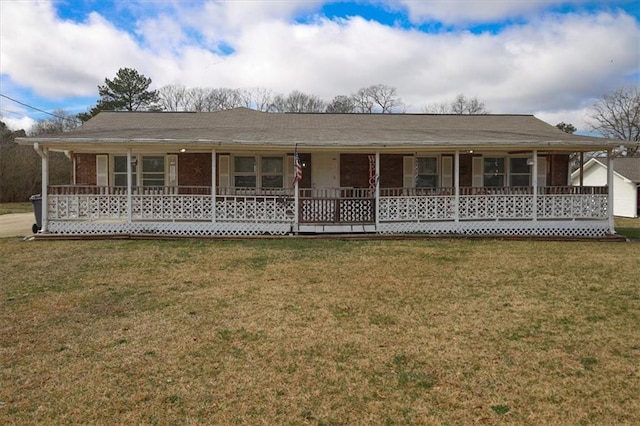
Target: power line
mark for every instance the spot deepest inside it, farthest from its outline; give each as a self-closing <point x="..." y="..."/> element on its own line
<point x="40" y="110"/>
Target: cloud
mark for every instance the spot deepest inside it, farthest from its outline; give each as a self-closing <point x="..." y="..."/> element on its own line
<point x="552" y="64"/>
<point x="457" y="12"/>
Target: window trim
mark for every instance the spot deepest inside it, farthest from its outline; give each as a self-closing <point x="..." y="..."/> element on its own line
<point x="258" y="170"/>
<point x="436" y="174"/>
<point x="138" y="172"/>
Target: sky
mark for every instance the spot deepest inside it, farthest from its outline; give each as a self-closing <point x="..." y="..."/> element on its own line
<point x="551" y="58"/>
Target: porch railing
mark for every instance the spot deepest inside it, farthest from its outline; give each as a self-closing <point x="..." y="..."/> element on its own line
<point x="336" y="205"/>
<point x="332" y="205"/>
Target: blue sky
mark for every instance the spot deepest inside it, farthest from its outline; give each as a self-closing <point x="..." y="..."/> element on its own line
<point x="553" y="58"/>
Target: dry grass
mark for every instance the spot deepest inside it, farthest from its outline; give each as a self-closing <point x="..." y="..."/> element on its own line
<point x="319" y="332"/>
<point x="7" y="208"/>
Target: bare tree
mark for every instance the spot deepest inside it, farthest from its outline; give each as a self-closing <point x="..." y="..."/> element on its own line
<point x="297" y="101"/>
<point x="258" y="98"/>
<point x="460" y="105"/>
<point x="617" y="116"/>
<point x="60" y="122"/>
<point x="173" y="97"/>
<point x="378" y="98"/>
<point x="341" y="104"/>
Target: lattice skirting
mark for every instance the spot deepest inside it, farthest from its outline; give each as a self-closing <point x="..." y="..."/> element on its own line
<point x="168" y="228"/>
<point x="587" y="228"/>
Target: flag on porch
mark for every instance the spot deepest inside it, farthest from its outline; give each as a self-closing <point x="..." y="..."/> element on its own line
<point x="297" y="173"/>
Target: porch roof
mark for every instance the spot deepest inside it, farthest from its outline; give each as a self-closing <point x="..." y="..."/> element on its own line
<point x="249" y="129"/>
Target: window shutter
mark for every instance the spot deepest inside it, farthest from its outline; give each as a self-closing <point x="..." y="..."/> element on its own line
<point x="102" y="170"/>
<point x="478" y="181"/>
<point x="447" y="172"/>
<point x="409" y="166"/>
<point x="542" y="171"/>
<point x="172" y="177"/>
<point x="223" y="171"/>
<point x="289" y="166"/>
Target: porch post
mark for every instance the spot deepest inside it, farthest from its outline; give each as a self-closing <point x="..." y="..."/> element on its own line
<point x="214" y="173"/>
<point x="296" y="207"/>
<point x="129" y="187"/>
<point x="377" y="200"/>
<point x="612" y="229"/>
<point x="534" y="182"/>
<point x="456" y="184"/>
<point x="581" y="169"/>
<point x="45" y="188"/>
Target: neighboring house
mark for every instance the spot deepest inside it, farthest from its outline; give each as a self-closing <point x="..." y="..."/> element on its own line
<point x="626" y="181"/>
<point x="232" y="172"/>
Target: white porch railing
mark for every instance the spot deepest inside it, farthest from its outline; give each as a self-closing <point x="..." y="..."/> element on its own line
<point x="339" y="205"/>
<point x="439" y="204"/>
<point x="91" y="203"/>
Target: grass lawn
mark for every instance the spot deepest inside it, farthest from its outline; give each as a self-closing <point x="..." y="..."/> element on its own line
<point x="7" y="208"/>
<point x="629" y="227"/>
<point x="319" y="332"/>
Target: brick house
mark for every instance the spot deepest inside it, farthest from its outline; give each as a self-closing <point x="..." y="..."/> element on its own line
<point x="232" y="173"/>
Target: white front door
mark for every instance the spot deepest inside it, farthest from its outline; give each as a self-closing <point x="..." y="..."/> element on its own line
<point x="325" y="172"/>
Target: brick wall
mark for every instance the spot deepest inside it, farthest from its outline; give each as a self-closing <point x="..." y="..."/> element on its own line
<point x="354" y="170"/>
<point x="194" y="169"/>
<point x="391" y="170"/>
<point x="558" y="169"/>
<point x="85" y="169"/>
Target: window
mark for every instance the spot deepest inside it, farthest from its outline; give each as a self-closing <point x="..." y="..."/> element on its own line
<point x="427" y="173"/>
<point x="493" y="171"/>
<point x="244" y="169"/>
<point x="120" y="170"/>
<point x="153" y="170"/>
<point x="519" y="172"/>
<point x="272" y="172"/>
<point x="253" y="172"/>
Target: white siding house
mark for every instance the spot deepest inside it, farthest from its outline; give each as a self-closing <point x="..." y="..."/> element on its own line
<point x="626" y="179"/>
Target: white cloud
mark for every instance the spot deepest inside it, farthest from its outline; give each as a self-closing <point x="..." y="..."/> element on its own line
<point x="554" y="65"/>
<point x="454" y="12"/>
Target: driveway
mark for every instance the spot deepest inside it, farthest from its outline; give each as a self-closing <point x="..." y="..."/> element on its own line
<point x="16" y="224"/>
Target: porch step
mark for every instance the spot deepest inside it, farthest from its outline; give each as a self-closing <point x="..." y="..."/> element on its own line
<point x="336" y="229"/>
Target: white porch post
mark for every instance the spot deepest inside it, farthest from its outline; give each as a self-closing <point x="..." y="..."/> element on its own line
<point x="534" y="183"/>
<point x="214" y="173"/>
<point x="377" y="194"/>
<point x="129" y="187"/>
<point x="45" y="187"/>
<point x="581" y="169"/>
<point x="296" y="207"/>
<point x="456" y="184"/>
<point x="612" y="229"/>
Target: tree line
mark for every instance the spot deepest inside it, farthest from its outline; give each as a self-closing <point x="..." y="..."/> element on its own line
<point x="616" y="115"/>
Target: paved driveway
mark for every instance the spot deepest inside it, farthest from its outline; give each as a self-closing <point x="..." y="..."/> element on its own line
<point x="16" y="224"/>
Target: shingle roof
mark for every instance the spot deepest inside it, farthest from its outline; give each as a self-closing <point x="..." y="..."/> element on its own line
<point x="628" y="167"/>
<point x="244" y="126"/>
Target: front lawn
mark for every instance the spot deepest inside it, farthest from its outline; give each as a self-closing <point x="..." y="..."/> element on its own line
<point x="308" y="331"/>
<point x="629" y="227"/>
<point x="7" y="208"/>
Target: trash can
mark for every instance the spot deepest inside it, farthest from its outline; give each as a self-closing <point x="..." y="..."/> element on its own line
<point x="36" y="200"/>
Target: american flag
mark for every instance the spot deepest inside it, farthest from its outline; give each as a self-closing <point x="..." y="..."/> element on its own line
<point x="297" y="173"/>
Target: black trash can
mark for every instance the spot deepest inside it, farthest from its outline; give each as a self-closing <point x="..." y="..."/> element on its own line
<point x="36" y="200"/>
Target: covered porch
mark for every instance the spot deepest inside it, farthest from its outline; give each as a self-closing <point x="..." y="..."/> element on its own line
<point x="369" y="205"/>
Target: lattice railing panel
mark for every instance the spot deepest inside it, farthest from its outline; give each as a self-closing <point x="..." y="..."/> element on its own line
<point x="587" y="228"/>
<point x="168" y="228"/>
<point x="262" y="209"/>
<point x="573" y="206"/>
<point x="417" y="208"/>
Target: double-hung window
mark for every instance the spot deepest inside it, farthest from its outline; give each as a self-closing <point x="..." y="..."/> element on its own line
<point x="120" y="170"/>
<point x="427" y="172"/>
<point x="272" y="172"/>
<point x="493" y="171"/>
<point x="519" y="172"/>
<point x="152" y="170"/>
<point x="245" y="172"/>
<point x="258" y="172"/>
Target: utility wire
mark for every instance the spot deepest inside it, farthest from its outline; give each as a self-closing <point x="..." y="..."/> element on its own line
<point x="40" y="110"/>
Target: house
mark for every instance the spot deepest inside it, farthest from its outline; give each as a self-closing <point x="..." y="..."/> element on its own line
<point x="232" y="173"/>
<point x="626" y="182"/>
